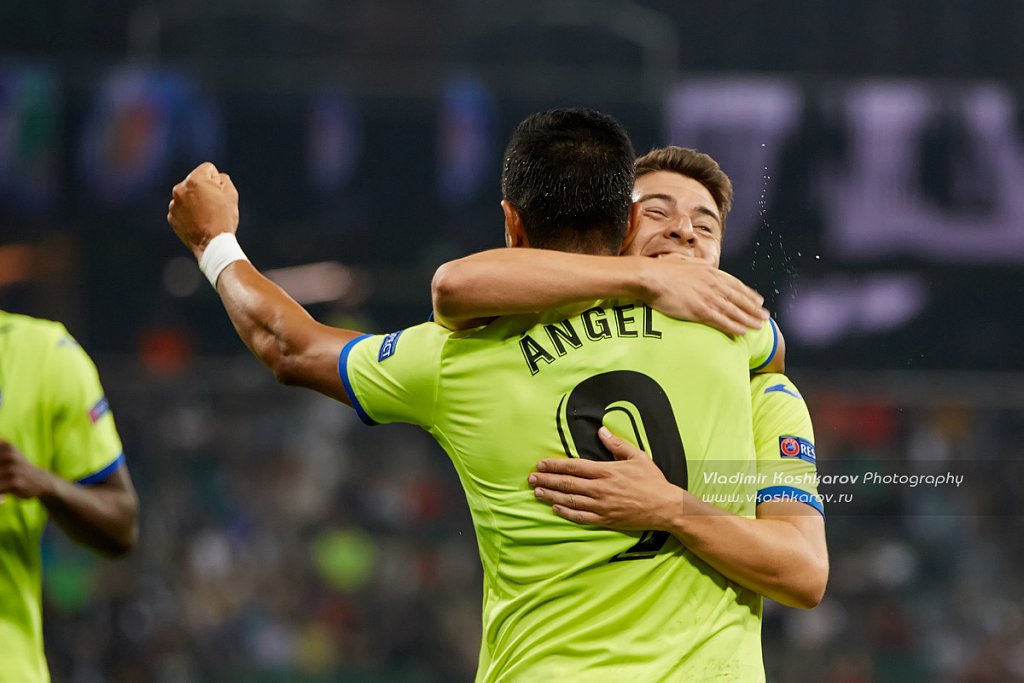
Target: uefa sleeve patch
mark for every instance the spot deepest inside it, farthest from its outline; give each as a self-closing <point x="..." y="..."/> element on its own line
<point x="101" y="408"/>
<point x="388" y="346"/>
<point x="794" y="447"/>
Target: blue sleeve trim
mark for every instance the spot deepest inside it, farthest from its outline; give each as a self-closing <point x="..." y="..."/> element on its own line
<point x="103" y="474"/>
<point x="790" y="493"/>
<point x="343" y="372"/>
<point x="775" y="346"/>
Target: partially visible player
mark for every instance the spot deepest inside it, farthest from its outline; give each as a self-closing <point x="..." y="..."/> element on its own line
<point x="683" y="198"/>
<point x="60" y="458"/>
<point x="560" y="602"/>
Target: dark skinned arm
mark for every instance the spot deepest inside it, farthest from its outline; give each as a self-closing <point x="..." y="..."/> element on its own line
<point x="102" y="516"/>
<point x="299" y="350"/>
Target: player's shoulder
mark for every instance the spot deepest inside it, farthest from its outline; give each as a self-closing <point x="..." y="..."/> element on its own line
<point x="665" y="320"/>
<point x="428" y="332"/>
<point x="425" y="337"/>
<point x="773" y="385"/>
<point x="32" y="333"/>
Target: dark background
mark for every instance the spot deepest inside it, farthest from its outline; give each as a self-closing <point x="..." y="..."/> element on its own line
<point x="429" y="95"/>
<point x="877" y="150"/>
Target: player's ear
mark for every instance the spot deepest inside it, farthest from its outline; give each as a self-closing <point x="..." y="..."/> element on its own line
<point x="515" y="233"/>
<point x="632" y="226"/>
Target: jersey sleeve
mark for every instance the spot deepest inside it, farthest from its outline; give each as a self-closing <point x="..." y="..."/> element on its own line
<point x="394" y="377"/>
<point x="784" y="440"/>
<point x="762" y="344"/>
<point x="86" y="446"/>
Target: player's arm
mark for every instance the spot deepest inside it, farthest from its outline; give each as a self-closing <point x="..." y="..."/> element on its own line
<point x="767" y="357"/>
<point x="469" y="291"/>
<point x="781" y="554"/>
<point x="298" y="349"/>
<point x="102" y="515"/>
<point x="778" y="363"/>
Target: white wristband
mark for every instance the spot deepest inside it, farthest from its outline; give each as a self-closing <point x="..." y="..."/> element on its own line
<point x="222" y="251"/>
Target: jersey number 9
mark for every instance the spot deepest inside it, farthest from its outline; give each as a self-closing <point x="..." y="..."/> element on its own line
<point x="637" y="396"/>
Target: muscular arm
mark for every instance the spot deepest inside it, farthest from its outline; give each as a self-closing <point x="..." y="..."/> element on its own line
<point x="298" y="349"/>
<point x="468" y="291"/>
<point x="781" y="554"/>
<point x="102" y="516"/>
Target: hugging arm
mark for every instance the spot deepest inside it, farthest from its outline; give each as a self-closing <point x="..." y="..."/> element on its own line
<point x="469" y="291"/>
<point x="780" y="554"/>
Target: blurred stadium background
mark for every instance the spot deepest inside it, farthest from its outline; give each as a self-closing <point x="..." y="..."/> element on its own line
<point x="877" y="150"/>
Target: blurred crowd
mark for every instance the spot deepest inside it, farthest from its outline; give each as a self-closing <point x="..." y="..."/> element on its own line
<point x="284" y="541"/>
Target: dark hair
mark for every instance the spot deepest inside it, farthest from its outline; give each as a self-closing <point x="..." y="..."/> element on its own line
<point x="692" y="164"/>
<point x="569" y="174"/>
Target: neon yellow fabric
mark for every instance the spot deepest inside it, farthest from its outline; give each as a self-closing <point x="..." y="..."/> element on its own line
<point x="563" y="601"/>
<point x="784" y="439"/>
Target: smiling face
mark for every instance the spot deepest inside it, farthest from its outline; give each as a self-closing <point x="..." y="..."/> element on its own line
<point x="677" y="215"/>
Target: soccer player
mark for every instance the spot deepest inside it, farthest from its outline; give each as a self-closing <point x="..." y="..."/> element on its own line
<point x="60" y="458"/>
<point x="683" y="198"/>
<point x="560" y="602"/>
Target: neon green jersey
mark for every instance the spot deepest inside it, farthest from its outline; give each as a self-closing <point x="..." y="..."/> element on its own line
<point x="786" y="463"/>
<point x="53" y="410"/>
<point x="564" y="601"/>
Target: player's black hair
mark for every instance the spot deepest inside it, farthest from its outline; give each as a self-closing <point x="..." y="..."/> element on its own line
<point x="569" y="173"/>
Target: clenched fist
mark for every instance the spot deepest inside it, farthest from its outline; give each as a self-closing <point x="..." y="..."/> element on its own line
<point x="203" y="205"/>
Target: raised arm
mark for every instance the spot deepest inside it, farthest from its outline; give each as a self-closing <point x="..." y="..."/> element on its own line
<point x="298" y="349"/>
<point x="469" y="291"/>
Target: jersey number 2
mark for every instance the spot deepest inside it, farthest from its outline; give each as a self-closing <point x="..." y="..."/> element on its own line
<point x="595" y="397"/>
